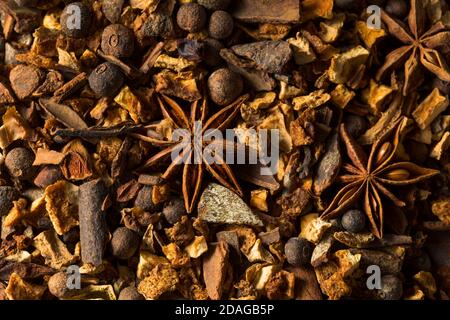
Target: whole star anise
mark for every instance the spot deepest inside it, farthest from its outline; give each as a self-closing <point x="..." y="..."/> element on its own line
<point x="370" y="176"/>
<point x="422" y="47"/>
<point x="193" y="148"/>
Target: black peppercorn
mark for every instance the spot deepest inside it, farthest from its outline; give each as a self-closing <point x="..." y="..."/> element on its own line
<point x="106" y="80"/>
<point x="214" y="4"/>
<point x="124" y="243"/>
<point x="191" y="17"/>
<point x="224" y="86"/>
<point x="398" y="8"/>
<point x="391" y="288"/>
<point x="220" y="25"/>
<point x="173" y="210"/>
<point x="212" y="52"/>
<point x="19" y="163"/>
<point x="7" y="196"/>
<point x="130" y="293"/>
<point x="298" y="251"/>
<point x="144" y="199"/>
<point x="76" y="20"/>
<point x="118" y="41"/>
<point x="353" y="221"/>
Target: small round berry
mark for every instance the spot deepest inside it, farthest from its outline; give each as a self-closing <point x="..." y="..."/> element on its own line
<point x="224" y="86"/>
<point x="7" y="196"/>
<point x="298" y="251"/>
<point x="19" y="163"/>
<point x="144" y="199"/>
<point x="191" y="17"/>
<point x="130" y="293"/>
<point x="124" y="243"/>
<point x="173" y="210"/>
<point x="355" y="125"/>
<point x="353" y="221"/>
<point x="118" y="41"/>
<point x="57" y="285"/>
<point x="391" y="288"/>
<point x="220" y="25"/>
<point x="398" y="8"/>
<point x="212" y="52"/>
<point x="106" y="80"/>
<point x="157" y="25"/>
<point x="76" y="19"/>
<point x="214" y="4"/>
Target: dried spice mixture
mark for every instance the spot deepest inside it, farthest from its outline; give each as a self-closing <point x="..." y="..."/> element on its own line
<point x="94" y="204"/>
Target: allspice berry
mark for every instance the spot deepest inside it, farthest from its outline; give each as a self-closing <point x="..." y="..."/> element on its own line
<point x="391" y="288"/>
<point x="106" y="80"/>
<point x="191" y="17"/>
<point x="76" y="19"/>
<point x="144" y="199"/>
<point x="57" y="285"/>
<point x="298" y="251"/>
<point x="124" y="243"/>
<point x="212" y="52"/>
<point x="220" y="25"/>
<point x="397" y="8"/>
<point x="224" y="86"/>
<point x="214" y="4"/>
<point x="130" y="293"/>
<point x="173" y="210"/>
<point x="118" y="41"/>
<point x="353" y="221"/>
<point x="7" y="196"/>
<point x="19" y="163"/>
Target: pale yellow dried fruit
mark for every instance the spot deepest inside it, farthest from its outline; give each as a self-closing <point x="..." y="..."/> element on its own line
<point x="14" y="128"/>
<point x="341" y="96"/>
<point x="176" y="64"/>
<point x="376" y="96"/>
<point x="430" y="108"/>
<point x="313" y="100"/>
<point x="128" y="101"/>
<point x="53" y="250"/>
<point x="197" y="247"/>
<point x="163" y="278"/>
<point x="440" y="149"/>
<point x="259" y="254"/>
<point x="259" y="199"/>
<point x="331" y="29"/>
<point x="148" y="261"/>
<point x="19" y="289"/>
<point x="345" y="65"/>
<point x="303" y="52"/>
<point x="369" y="35"/>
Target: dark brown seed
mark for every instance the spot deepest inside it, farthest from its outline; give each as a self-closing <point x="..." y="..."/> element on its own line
<point x="47" y="176"/>
<point x="76" y="19"/>
<point x="144" y="199"/>
<point x="7" y="196"/>
<point x="298" y="252"/>
<point x="212" y="52"/>
<point x="355" y="125"/>
<point x="124" y="243"/>
<point x="353" y="221"/>
<point x="106" y="80"/>
<point x="391" y="288"/>
<point x="214" y="4"/>
<point x="191" y="17"/>
<point x="220" y="25"/>
<point x="118" y="41"/>
<point x="398" y="8"/>
<point x="19" y="163"/>
<point x="224" y="86"/>
<point x="93" y="229"/>
<point x="173" y="210"/>
<point x="25" y="80"/>
<point x="130" y="293"/>
<point x="157" y="25"/>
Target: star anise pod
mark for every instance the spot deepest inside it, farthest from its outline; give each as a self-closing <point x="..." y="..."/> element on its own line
<point x="193" y="149"/>
<point x="422" y="47"/>
<point x="368" y="177"/>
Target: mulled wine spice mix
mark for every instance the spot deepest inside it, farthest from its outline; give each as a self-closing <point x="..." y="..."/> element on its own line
<point x="93" y="205"/>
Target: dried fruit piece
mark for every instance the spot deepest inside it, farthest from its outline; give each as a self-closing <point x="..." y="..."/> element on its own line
<point x="216" y="270"/>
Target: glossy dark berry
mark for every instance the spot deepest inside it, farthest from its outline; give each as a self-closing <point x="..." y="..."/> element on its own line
<point x="214" y="4"/>
<point x="124" y="243"/>
<point x="76" y="19"/>
<point x="298" y="251"/>
<point x="144" y="199"/>
<point x="173" y="210"/>
<point x="118" y="41"/>
<point x="106" y="80"/>
<point x="224" y="86"/>
<point x="19" y="163"/>
<point x="355" y="125"/>
<point x="7" y="196"/>
<point x="391" y="288"/>
<point x="130" y="293"/>
<point x="191" y="17"/>
<point x="397" y="8"/>
<point x="353" y="221"/>
<point x="221" y="25"/>
<point x="212" y="52"/>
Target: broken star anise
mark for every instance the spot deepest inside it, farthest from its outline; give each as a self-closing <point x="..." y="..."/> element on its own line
<point x="195" y="151"/>
<point x="370" y="176"/>
<point x="422" y="47"/>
